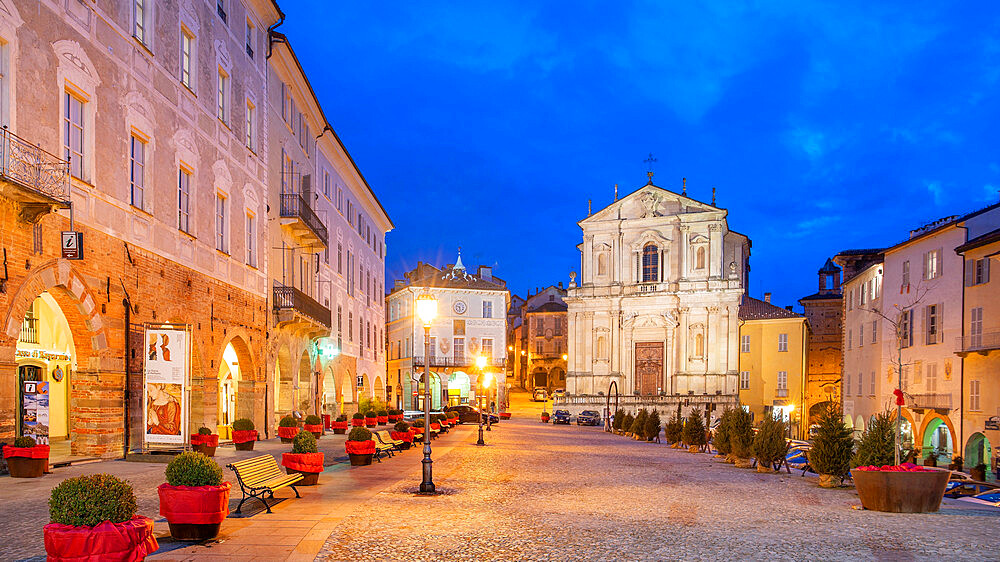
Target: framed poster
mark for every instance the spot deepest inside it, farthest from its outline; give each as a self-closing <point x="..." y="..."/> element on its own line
<point x="167" y="360"/>
<point x="35" y="411"/>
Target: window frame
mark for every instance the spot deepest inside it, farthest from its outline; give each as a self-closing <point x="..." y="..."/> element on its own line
<point x="782" y="342"/>
<point x="650" y="263"/>
<point x="222" y="97"/>
<point x="135" y="140"/>
<point x="69" y="126"/>
<point x="187" y="59"/>
<point x="744" y="380"/>
<point x="250" y="137"/>
<point x="221" y="215"/>
<point x="251" y="243"/>
<point x="745" y="343"/>
<point x="184" y="177"/>
<point x="142" y="11"/>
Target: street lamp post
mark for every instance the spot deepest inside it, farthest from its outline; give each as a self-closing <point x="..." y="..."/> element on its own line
<point x="427" y="310"/>
<point x="481" y="364"/>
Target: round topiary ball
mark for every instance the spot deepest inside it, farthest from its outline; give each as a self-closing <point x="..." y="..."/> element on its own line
<point x="243" y="424"/>
<point x="342" y="417"/>
<point x="358" y="416"/>
<point x="25" y="441"/>
<point x="193" y="469"/>
<point x="382" y="413"/>
<point x="288" y="421"/>
<point x="401" y="426"/>
<point x="313" y="419"/>
<point x="371" y="414"/>
<point x="418" y="422"/>
<point x="204" y="431"/>
<point x="359" y="434"/>
<point x="92" y="499"/>
<point x="304" y="442"/>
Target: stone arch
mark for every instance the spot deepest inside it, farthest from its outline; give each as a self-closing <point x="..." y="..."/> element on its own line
<point x="366" y="390"/>
<point x="557" y="377"/>
<point x="378" y="388"/>
<point x="978" y="450"/>
<point x="246" y="385"/>
<point x="930" y="423"/>
<point x="304" y="395"/>
<point x="329" y="402"/>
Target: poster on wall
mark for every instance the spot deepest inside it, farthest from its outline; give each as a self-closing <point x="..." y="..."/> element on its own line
<point x="35" y="411"/>
<point x="166" y="375"/>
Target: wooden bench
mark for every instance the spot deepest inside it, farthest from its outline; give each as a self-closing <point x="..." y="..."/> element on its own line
<point x="381" y="448"/>
<point x="385" y="437"/>
<point x="259" y="477"/>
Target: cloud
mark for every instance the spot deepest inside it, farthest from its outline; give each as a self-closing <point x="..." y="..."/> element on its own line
<point x="812" y="143"/>
<point x="808" y="226"/>
<point x="990" y="192"/>
<point x="936" y="190"/>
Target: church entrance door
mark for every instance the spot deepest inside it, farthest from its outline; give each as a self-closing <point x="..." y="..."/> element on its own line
<point x="648" y="367"/>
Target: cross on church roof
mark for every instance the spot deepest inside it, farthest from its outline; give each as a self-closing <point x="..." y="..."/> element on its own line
<point x="649" y="161"/>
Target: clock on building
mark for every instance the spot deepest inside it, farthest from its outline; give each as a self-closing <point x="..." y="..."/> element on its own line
<point x="459" y="307"/>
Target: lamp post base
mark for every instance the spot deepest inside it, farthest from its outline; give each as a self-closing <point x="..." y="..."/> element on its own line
<point x="480" y="442"/>
<point x="426" y="487"/>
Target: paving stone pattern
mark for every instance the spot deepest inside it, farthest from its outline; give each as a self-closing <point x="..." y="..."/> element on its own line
<point x="539" y="492"/>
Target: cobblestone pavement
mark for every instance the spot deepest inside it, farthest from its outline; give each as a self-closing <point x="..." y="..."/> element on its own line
<point x="24" y="501"/>
<point x="539" y="492"/>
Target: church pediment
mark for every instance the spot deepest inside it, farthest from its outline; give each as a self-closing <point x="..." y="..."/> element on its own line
<point x="647" y="202"/>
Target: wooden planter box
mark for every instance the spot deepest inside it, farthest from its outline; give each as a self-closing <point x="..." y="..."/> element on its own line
<point x="901" y="492"/>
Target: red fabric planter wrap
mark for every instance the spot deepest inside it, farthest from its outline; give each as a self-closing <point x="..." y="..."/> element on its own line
<point x="383" y="419"/>
<point x="202" y="505"/>
<point x="318" y="428"/>
<point x="505" y="415"/>
<point x="129" y="541"/>
<point x="371" y="422"/>
<point x="417" y="430"/>
<point x="436" y="425"/>
<point x="244" y="436"/>
<point x="359" y="447"/>
<point x="303" y="462"/>
<point x="288" y="432"/>
<point x="402" y="436"/>
<point x="338" y="425"/>
<point x="210" y="440"/>
<point x="358" y="423"/>
<point x="36" y="452"/>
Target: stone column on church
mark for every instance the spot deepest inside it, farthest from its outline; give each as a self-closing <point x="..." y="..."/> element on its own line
<point x="682" y="340"/>
<point x="587" y="275"/>
<point x="615" y="341"/>
<point x="667" y="384"/>
<point x="616" y="259"/>
<point x="571" y="350"/>
<point x="712" y="326"/>
<point x="684" y="229"/>
<point x="627" y="380"/>
<point x="715" y="257"/>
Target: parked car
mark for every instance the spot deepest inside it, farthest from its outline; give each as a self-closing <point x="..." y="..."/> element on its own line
<point x="588" y="417"/>
<point x="540" y="395"/>
<point x="470" y="414"/>
<point x="560" y="416"/>
<point x="559" y="393"/>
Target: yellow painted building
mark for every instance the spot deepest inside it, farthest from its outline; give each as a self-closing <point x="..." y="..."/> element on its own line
<point x="979" y="348"/>
<point x="773" y="350"/>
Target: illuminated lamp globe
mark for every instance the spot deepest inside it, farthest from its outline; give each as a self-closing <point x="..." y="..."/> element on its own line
<point x="427" y="308"/>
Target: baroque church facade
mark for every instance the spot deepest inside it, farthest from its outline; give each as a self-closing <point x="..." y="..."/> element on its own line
<point x="656" y="308"/>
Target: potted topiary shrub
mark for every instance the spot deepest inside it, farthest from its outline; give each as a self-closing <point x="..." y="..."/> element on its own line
<point x="418" y="429"/>
<point x="358" y="420"/>
<point x="195" y="498"/>
<point x="314" y="425"/>
<point x="93" y="518"/>
<point x="401" y="432"/>
<point x="244" y="434"/>
<point x="339" y="426"/>
<point x="371" y="418"/>
<point x="26" y="459"/>
<point x="288" y="428"/>
<point x="545" y="416"/>
<point x="205" y="442"/>
<point x="627" y="422"/>
<point x="304" y="459"/>
<point x="832" y="449"/>
<point x="360" y="447"/>
<point x="769" y="445"/>
<point x="436" y="423"/>
<point x="652" y="428"/>
<point x="674" y="430"/>
<point x="382" y="417"/>
<point x="741" y="437"/>
<point x="721" y="438"/>
<point x="638" y="427"/>
<point x="693" y="434"/>
<point x="451" y="418"/>
<point x="978" y="472"/>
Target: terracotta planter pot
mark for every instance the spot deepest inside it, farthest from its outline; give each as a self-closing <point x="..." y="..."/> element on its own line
<point x="360" y="460"/>
<point x="545" y="419"/>
<point x="829" y="481"/>
<point x="742" y="463"/>
<point x="901" y="492"/>
<point x="23" y="467"/>
<point x="129" y="540"/>
<point x="505" y="415"/>
<point x="248" y="446"/>
<point x="206" y="450"/>
<point x="287" y="434"/>
<point x="308" y="478"/>
<point x="194" y="513"/>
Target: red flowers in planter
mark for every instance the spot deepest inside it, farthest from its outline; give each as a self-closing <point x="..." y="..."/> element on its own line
<point x="208" y="440"/>
<point x="203" y="505"/>
<point x="129" y="540"/>
<point x="244" y="436"/>
<point x="359" y="447"/>
<point x="905" y="467"/>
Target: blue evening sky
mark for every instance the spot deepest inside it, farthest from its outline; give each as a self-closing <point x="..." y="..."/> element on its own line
<point x="824" y="126"/>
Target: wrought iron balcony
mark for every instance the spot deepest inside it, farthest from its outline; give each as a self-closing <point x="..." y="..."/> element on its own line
<point x="305" y="221"/>
<point x="292" y="305"/>
<point x="933" y="401"/>
<point x="979" y="342"/>
<point x="35" y="178"/>
<point x="452" y="361"/>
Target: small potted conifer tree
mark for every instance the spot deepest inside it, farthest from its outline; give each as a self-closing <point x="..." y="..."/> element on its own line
<point x="652" y="428"/>
<point x="26" y="459"/>
<point x="673" y="431"/>
<point x="371" y="418"/>
<point x="314" y="425"/>
<point x="769" y="445"/>
<point x="93" y="518"/>
<point x="357" y="419"/>
<point x="288" y="428"/>
<point x="339" y="426"/>
<point x="741" y="437"/>
<point x="304" y="459"/>
<point x="205" y="442"/>
<point x="401" y="432"/>
<point x="244" y="434"/>
<point x="832" y="449"/>
<point x="627" y="422"/>
<point x="360" y="447"/>
<point x="721" y="437"/>
<point x="693" y="434"/>
<point x="195" y="497"/>
<point x="638" y="428"/>
<point x="617" y="421"/>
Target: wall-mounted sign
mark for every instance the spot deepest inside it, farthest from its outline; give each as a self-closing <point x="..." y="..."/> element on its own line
<point x="72" y="245"/>
<point x="42" y="354"/>
<point x="166" y="370"/>
<point x="993" y="423"/>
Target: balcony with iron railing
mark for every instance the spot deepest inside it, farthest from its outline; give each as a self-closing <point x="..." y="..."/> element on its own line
<point x="29" y="330"/>
<point x="35" y="178"/>
<point x="930" y="401"/>
<point x="981" y="343"/>
<point x="297" y="309"/>
<point x="298" y="216"/>
<point x="452" y="361"/>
